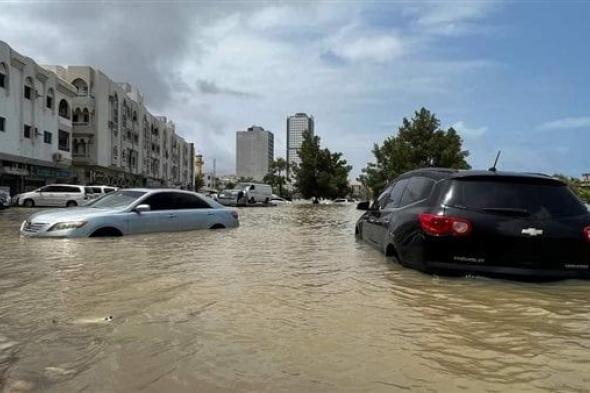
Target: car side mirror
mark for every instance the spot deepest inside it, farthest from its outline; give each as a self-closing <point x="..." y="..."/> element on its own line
<point x="364" y="205"/>
<point x="144" y="207"/>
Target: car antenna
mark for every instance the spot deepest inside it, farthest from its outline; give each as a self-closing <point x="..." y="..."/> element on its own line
<point x="493" y="168"/>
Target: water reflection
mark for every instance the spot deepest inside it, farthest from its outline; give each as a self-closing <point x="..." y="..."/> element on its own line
<point x="287" y="302"/>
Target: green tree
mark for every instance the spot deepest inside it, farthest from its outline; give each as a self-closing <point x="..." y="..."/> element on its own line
<point x="199" y="182"/>
<point x="321" y="173"/>
<point x="419" y="143"/>
<point x="276" y="177"/>
<point x="581" y="189"/>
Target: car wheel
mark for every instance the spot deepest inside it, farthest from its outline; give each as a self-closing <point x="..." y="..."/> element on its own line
<point x="106" y="232"/>
<point x="217" y="226"/>
<point x="266" y="201"/>
<point x="71" y="204"/>
<point x="252" y="200"/>
<point x="29" y="203"/>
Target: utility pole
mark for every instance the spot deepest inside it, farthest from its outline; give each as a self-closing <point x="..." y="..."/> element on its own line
<point x="214" y="174"/>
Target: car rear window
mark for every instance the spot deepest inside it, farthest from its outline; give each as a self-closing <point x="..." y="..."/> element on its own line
<point x="537" y="200"/>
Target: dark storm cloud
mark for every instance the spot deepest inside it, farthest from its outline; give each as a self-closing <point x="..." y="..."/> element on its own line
<point x="142" y="43"/>
<point x="209" y="87"/>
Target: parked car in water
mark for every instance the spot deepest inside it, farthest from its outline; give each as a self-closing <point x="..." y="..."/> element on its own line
<point x="56" y="195"/>
<point x="5" y="199"/>
<point x="101" y="190"/>
<point x="445" y="221"/>
<point x="246" y="193"/>
<point x="277" y="200"/>
<point x="133" y="211"/>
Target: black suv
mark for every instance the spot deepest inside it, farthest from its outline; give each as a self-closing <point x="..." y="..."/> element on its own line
<point x="447" y="221"/>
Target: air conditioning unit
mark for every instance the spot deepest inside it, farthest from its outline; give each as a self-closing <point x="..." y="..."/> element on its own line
<point x="57" y="157"/>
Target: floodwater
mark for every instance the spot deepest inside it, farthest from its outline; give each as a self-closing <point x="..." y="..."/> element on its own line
<point x="287" y="302"/>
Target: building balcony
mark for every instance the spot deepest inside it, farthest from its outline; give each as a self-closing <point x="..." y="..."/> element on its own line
<point x="84" y="101"/>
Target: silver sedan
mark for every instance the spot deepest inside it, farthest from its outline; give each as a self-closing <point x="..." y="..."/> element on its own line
<point x="133" y="211"/>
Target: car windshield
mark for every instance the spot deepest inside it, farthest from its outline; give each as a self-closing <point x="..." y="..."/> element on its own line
<point x="515" y="198"/>
<point x="117" y="199"/>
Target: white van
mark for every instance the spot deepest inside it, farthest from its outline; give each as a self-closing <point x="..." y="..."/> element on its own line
<point x="56" y="195"/>
<point x="102" y="190"/>
<point x="246" y="193"/>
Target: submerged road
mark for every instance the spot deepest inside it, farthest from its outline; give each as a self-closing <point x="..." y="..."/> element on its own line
<point x="287" y="302"/>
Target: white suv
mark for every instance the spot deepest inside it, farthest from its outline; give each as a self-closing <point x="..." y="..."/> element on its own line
<point x="56" y="195"/>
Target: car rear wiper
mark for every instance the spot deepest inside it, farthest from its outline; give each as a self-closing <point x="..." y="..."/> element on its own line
<point x="509" y="211"/>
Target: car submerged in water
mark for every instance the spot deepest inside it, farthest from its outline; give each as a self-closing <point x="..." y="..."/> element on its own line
<point x="445" y="221"/>
<point x="133" y="211"/>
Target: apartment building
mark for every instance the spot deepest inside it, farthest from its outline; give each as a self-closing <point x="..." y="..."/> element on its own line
<point x="117" y="141"/>
<point x="35" y="124"/>
<point x="297" y="125"/>
<point x="254" y="152"/>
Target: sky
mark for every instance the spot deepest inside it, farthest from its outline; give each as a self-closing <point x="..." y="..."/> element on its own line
<point x="508" y="75"/>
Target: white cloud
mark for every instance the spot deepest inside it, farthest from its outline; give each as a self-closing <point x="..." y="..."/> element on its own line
<point x="379" y="48"/>
<point x="218" y="67"/>
<point x="452" y="17"/>
<point x="566" y="123"/>
<point x="469" y="132"/>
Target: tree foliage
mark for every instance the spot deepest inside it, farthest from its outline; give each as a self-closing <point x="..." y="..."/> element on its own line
<point x="199" y="182"/>
<point x="321" y="173"/>
<point x="419" y="143"/>
<point x="277" y="177"/>
<point x="581" y="189"/>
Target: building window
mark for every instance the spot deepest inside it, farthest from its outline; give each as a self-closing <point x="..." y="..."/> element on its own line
<point x="49" y="99"/>
<point x="3" y="75"/>
<point x="29" y="88"/>
<point x="64" y="109"/>
<point x="115" y="153"/>
<point x="47" y="137"/>
<point x="27" y="131"/>
<point x="81" y="86"/>
<point x="2" y="124"/>
<point x="64" y="141"/>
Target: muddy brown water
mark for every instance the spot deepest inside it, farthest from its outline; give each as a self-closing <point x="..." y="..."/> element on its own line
<point x="287" y="302"/>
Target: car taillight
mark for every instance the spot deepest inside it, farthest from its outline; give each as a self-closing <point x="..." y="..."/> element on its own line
<point x="436" y="225"/>
<point x="234" y="214"/>
<point x="587" y="234"/>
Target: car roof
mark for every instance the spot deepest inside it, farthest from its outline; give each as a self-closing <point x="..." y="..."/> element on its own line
<point x="449" y="173"/>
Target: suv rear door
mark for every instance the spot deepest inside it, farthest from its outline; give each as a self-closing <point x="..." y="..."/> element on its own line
<point x="518" y="222"/>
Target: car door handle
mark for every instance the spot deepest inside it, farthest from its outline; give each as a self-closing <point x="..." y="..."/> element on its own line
<point x="211" y="214"/>
<point x="171" y="215"/>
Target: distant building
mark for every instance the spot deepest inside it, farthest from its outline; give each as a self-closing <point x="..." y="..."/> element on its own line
<point x="199" y="163"/>
<point x="254" y="152"/>
<point x="117" y="141"/>
<point x="296" y="126"/>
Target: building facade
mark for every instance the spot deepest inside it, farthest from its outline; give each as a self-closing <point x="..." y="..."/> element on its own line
<point x="254" y="152"/>
<point x="35" y="124"/>
<point x="117" y="141"/>
<point x="296" y="126"/>
<point x="199" y="164"/>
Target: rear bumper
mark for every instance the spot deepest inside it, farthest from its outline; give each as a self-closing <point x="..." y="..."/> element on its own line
<point x="522" y="273"/>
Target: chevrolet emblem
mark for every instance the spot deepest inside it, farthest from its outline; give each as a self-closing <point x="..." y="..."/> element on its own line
<point x="532" y="231"/>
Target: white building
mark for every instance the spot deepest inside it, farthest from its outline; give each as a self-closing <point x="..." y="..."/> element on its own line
<point x="35" y="123"/>
<point x="117" y="141"/>
<point x="296" y="126"/>
<point x="254" y="152"/>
